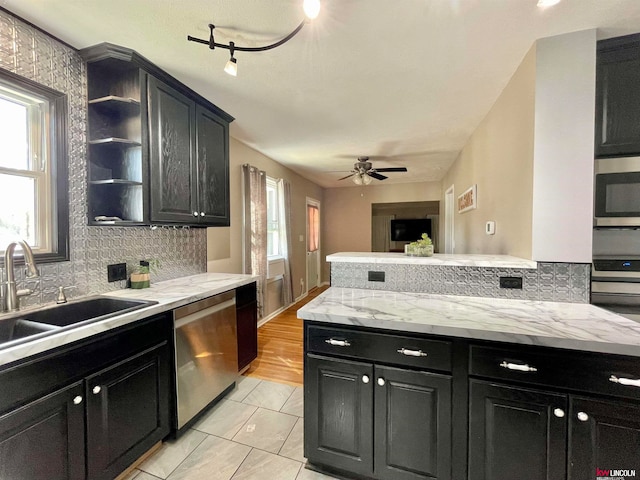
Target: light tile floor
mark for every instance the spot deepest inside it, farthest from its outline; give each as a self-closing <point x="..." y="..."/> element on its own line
<point x="254" y="433"/>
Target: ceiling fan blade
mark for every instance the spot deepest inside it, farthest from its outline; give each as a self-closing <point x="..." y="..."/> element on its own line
<point x="392" y="169"/>
<point x="377" y="175"/>
<point x="344" y="178"/>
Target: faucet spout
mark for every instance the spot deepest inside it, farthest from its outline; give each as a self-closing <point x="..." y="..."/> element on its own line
<point x="10" y="301"/>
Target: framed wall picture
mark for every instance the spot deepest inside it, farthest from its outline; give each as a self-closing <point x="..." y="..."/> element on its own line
<point x="468" y="199"/>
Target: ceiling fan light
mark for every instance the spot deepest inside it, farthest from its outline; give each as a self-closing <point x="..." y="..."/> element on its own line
<point x="357" y="179"/>
<point x="311" y="8"/>
<point x="366" y="179"/>
<point x="547" y="3"/>
<point x="231" y="67"/>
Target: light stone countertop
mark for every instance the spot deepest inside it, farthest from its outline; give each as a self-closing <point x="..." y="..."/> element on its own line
<point x="169" y="294"/>
<point x="496" y="261"/>
<point x="550" y="324"/>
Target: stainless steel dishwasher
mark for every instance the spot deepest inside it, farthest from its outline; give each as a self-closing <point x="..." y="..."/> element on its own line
<point x="206" y="352"/>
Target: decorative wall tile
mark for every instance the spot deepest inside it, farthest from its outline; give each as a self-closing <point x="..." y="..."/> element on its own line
<point x="26" y="51"/>
<point x="561" y="282"/>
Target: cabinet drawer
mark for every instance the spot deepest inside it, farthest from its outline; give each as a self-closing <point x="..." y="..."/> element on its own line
<point x="585" y="372"/>
<point x="380" y="347"/>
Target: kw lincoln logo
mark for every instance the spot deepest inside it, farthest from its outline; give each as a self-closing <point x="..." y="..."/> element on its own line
<point x="614" y="474"/>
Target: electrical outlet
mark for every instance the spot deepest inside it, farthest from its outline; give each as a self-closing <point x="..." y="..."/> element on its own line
<point x="511" y="282"/>
<point x="376" y="276"/>
<point x="117" y="271"/>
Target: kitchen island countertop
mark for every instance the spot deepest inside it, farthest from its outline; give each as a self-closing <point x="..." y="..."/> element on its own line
<point x="551" y="324"/>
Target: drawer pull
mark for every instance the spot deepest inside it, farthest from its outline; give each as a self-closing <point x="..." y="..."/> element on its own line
<point x="625" y="381"/>
<point x="519" y="367"/>
<point x="412" y="353"/>
<point x="338" y="343"/>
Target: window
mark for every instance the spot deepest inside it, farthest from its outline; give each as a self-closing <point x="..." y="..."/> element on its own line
<point x="33" y="183"/>
<point x="273" y="218"/>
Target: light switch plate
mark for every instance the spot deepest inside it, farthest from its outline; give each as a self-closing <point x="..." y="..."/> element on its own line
<point x="490" y="228"/>
<point x="117" y="271"/>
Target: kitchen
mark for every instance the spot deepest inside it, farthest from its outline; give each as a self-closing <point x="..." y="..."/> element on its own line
<point x="93" y="248"/>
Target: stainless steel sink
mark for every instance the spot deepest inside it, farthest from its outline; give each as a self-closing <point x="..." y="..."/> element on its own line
<point x="38" y="323"/>
<point x="15" y="331"/>
<point x="91" y="309"/>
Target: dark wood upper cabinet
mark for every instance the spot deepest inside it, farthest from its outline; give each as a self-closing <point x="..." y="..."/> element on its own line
<point x="618" y="97"/>
<point x="158" y="151"/>
<point x="172" y="154"/>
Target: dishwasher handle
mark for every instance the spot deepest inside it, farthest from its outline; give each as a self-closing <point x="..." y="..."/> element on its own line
<point x="194" y="317"/>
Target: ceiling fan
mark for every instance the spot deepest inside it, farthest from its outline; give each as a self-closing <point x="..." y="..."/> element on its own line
<point x="363" y="171"/>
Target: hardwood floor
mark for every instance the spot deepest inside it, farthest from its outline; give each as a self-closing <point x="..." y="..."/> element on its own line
<point x="280" y="346"/>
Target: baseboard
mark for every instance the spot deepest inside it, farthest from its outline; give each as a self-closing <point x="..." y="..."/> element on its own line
<point x="304" y="295"/>
<point x="264" y="320"/>
<point x="324" y="283"/>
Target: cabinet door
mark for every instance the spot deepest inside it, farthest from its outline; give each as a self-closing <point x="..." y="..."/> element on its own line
<point x="213" y="167"/>
<point x="247" y="320"/>
<point x="127" y="411"/>
<point x="618" y="97"/>
<point x="172" y="153"/>
<point x="603" y="435"/>
<point x="44" y="440"/>
<point x="338" y="414"/>
<point x="412" y="425"/>
<point x="516" y="433"/>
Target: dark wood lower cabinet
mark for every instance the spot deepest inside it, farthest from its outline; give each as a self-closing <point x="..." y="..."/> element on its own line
<point x="127" y="411"/>
<point x="412" y="425"/>
<point x="377" y="421"/>
<point x="247" y="324"/>
<point x="516" y="433"/>
<point x="338" y="408"/>
<point x="603" y="435"/>
<point x="44" y="440"/>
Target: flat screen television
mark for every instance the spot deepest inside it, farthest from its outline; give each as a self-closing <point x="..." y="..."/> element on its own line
<point x="410" y="229"/>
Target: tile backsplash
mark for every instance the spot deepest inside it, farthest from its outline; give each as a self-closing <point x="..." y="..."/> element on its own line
<point x="559" y="282"/>
<point x="26" y="51"/>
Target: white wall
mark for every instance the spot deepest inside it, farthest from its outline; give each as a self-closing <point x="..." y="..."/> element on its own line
<point x="564" y="148"/>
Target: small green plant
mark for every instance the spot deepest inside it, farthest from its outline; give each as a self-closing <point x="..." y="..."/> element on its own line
<point x="148" y="266"/>
<point x="424" y="241"/>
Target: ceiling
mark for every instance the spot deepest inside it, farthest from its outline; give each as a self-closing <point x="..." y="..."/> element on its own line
<point x="405" y="82"/>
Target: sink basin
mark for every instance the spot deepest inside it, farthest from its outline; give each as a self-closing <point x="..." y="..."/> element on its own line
<point x="17" y="329"/>
<point x="91" y="309"/>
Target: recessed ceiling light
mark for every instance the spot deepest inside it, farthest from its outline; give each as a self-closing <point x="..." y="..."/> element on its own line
<point x="547" y="3"/>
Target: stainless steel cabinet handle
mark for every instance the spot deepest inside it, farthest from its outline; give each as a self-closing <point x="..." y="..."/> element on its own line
<point x="412" y="353"/>
<point x="558" y="412"/>
<point x="365" y="379"/>
<point x="202" y="214"/>
<point x="519" y="367"/>
<point x="96" y="389"/>
<point x="338" y="343"/>
<point x="583" y="417"/>
<point x="195" y="214"/>
<point x="77" y="400"/>
<point x="381" y="381"/>
<point x="625" y="381"/>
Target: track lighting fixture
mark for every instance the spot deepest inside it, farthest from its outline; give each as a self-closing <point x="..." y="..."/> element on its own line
<point x="311" y="10"/>
<point x="547" y="3"/>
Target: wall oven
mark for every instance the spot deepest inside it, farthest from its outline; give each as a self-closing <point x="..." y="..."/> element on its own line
<point x="617" y="192"/>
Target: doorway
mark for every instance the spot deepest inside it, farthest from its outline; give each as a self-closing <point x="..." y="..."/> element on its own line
<point x="313" y="243"/>
<point x="449" y="243"/>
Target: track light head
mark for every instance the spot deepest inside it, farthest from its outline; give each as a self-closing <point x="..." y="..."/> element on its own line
<point x="231" y="67"/>
<point x="311" y="8"/>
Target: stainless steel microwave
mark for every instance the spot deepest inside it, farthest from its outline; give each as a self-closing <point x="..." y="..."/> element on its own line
<point x="617" y="192"/>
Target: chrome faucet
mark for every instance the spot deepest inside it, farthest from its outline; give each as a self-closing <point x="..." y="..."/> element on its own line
<point x="10" y="295"/>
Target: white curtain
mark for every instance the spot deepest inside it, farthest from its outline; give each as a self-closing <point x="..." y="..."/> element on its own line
<point x="381" y="233"/>
<point x="255" y="229"/>
<point x="287" y="247"/>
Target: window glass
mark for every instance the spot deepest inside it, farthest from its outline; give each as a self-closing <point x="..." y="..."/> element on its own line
<point x="273" y="222"/>
<point x="14" y="133"/>
<point x="17" y="209"/>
